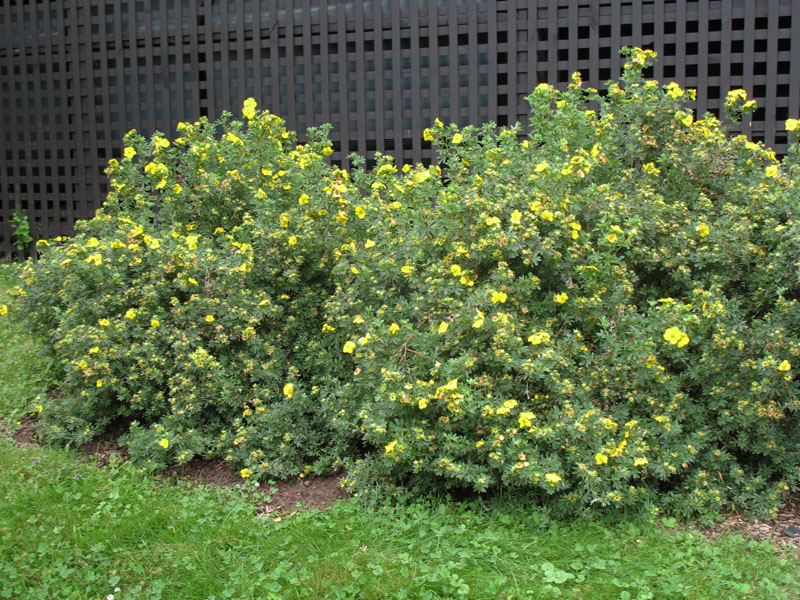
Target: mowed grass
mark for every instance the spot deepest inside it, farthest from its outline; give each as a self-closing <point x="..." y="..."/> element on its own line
<point x="71" y="529"/>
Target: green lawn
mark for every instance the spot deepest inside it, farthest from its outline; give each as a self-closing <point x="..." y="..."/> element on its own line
<point x="71" y="529"/>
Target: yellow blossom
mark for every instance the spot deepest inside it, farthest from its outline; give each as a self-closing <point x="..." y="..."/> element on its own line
<point x="560" y="298"/>
<point x="784" y="366"/>
<point x="129" y="152"/>
<point x="676" y="337"/>
<point x="130" y="314"/>
<point x="407" y="270"/>
<point x="360" y="212"/>
<point x="552" y="478"/>
<point x="427" y="135"/>
<point x="547" y="215"/>
<point x="369" y="243"/>
<point x="393" y="447"/>
<point x="499" y="297"/>
<point x="348" y="347"/>
<point x="703" y="230"/>
<point x="100" y="382"/>
<point x="458" y="138"/>
<point x="394" y="328"/>
<point x="600" y="458"/>
<point x="292" y="241"/>
<point x="326" y="328"/>
<point x="771" y="171"/>
<point x="95" y="259"/>
<point x="516" y="217"/>
<point x="792" y="125"/>
<point x="455" y="270"/>
<point x="640" y="462"/>
<point x="106" y="322"/>
<point x="288" y="390"/>
<point x="92" y="242"/>
<point x="39" y="408"/>
<point x="154" y="323"/>
<point x="164" y="443"/>
<point x="303" y="199"/>
<point x="540" y="337"/>
<point x="525" y="419"/>
<point x="245" y="473"/>
<point x="3" y="310"/>
<point x="443" y="327"/>
<point x="209" y="318"/>
<point x="327" y="151"/>
<point x="479" y="320"/>
<point x="192" y="280"/>
<point x="358" y="320"/>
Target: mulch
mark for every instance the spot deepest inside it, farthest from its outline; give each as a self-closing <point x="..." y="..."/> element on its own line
<point x="286" y="497"/>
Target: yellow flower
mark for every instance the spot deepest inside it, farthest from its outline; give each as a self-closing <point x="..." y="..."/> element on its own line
<point x="600" y="458"/>
<point x="192" y="280"/>
<point x="209" y="318"/>
<point x="245" y="473"/>
<point x="407" y="270"/>
<point x="327" y="151"/>
<point x="100" y="382"/>
<point x="360" y="212"/>
<point x="161" y="142"/>
<point x="130" y="314"/>
<point x="479" y="320"/>
<point x="443" y="327"/>
<point x="358" y="320"/>
<point x="105" y="322"/>
<point x="612" y="238"/>
<point x="792" y="125"/>
<point x="288" y="390"/>
<point x="540" y="337"/>
<point x="427" y="135"/>
<point x="542" y="166"/>
<point x="95" y="259"/>
<point x="640" y="462"/>
<point x="3" y="310"/>
<point x="525" y="419"/>
<point x="154" y="323"/>
<point x="92" y="242"/>
<point x="394" y="328"/>
<point x="164" y="443"/>
<point x="676" y="337"/>
<point x="458" y="138"/>
<point x="392" y="446"/>
<point x="784" y="366"/>
<point x="493" y="221"/>
<point x="326" y="328"/>
<point x="516" y="217"/>
<point x="552" y="478"/>
<point x="348" y="347"/>
<point x="369" y="243"/>
<point x="499" y="297"/>
<point x="771" y="171"/>
<point x="39" y="408"/>
<point x="249" y="109"/>
<point x="547" y="215"/>
<point x="191" y="241"/>
<point x="292" y="241"/>
<point x="703" y="230"/>
<point x="560" y="298"/>
<point x="129" y="152"/>
<point x="303" y="199"/>
<point x="455" y="270"/>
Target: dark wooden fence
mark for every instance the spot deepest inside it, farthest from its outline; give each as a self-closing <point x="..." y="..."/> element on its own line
<point x="75" y="75"/>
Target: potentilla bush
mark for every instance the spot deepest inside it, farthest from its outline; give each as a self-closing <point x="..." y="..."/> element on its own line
<point x="601" y="313"/>
<point x="190" y="305"/>
<point x="604" y="313"/>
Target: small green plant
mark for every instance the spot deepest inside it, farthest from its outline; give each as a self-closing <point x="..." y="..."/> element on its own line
<point x="22" y="231"/>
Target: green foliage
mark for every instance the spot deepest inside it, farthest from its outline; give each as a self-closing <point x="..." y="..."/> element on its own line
<point x="22" y="231"/>
<point x="602" y="313"/>
<point x="72" y="530"/>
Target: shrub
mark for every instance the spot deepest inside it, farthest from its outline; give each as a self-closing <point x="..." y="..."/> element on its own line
<point x="602" y="313"/>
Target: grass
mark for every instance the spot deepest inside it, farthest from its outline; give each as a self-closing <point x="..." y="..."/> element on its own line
<point x="71" y="529"/>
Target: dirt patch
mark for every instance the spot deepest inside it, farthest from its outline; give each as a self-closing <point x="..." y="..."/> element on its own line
<point x="277" y="498"/>
<point x="107" y="444"/>
<point x="780" y="531"/>
<point x="311" y="492"/>
<point x="24" y="433"/>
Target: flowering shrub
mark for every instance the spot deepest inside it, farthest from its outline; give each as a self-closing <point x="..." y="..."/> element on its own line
<point x="604" y="312"/>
